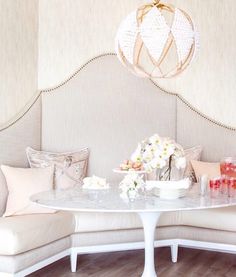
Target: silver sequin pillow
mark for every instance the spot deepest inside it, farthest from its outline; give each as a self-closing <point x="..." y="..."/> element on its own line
<point x="193" y="153"/>
<point x="70" y="168"/>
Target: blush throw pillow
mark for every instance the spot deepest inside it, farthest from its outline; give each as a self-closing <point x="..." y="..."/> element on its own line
<point x="3" y="193"/>
<point x="212" y="170"/>
<point x="23" y="183"/>
<point x="70" y="168"/>
<point x="193" y="153"/>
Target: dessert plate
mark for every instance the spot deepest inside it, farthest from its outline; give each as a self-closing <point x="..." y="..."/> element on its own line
<point x="118" y="170"/>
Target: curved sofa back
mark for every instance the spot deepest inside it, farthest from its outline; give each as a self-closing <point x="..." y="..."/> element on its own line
<point x="106" y="108"/>
<point x="109" y="110"/>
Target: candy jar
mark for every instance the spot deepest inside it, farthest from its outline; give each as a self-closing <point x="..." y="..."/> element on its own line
<point x="224" y="184"/>
<point x="228" y="167"/>
<point x="215" y="187"/>
<point x="232" y="187"/>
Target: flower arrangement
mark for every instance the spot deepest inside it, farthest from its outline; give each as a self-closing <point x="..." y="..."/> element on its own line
<point x="131" y="184"/>
<point x="161" y="154"/>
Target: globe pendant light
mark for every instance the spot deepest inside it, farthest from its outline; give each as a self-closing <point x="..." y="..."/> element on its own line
<point x="156" y="41"/>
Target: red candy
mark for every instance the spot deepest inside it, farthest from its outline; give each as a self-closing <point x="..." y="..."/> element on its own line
<point x="226" y="184"/>
<point x="223" y="185"/>
<point x="228" y="168"/>
<point x="215" y="184"/>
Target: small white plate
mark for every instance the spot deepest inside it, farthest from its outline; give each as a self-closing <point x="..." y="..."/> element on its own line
<point x="95" y="188"/>
<point x="170" y="194"/>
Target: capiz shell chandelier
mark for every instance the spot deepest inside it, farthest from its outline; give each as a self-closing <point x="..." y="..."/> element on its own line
<point x="156" y="41"/>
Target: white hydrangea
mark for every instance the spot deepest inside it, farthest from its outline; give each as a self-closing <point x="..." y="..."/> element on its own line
<point x="132" y="181"/>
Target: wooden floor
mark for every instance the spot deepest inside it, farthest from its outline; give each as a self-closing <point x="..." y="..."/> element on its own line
<point x="191" y="263"/>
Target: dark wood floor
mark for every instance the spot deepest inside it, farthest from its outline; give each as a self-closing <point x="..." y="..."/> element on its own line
<point x="191" y="263"/>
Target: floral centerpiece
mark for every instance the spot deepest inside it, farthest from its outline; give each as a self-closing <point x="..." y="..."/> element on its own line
<point x="160" y="154"/>
<point x="131" y="185"/>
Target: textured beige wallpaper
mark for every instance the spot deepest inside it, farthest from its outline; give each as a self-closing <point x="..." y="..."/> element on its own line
<point x="73" y="31"/>
<point x="209" y="83"/>
<point x="19" y="56"/>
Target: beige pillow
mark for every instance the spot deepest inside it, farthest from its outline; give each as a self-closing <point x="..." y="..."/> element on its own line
<point x="202" y="168"/>
<point x="23" y="183"/>
<point x="70" y="168"/>
<point x="193" y="153"/>
<point x="3" y="193"/>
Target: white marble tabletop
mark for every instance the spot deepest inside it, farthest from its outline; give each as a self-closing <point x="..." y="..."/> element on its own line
<point x="79" y="199"/>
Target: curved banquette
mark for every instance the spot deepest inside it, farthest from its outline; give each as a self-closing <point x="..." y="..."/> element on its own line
<point x="104" y="107"/>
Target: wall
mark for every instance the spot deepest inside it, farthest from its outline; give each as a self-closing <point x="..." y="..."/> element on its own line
<point x="209" y="83"/>
<point x="19" y="56"/>
<point x="73" y="31"/>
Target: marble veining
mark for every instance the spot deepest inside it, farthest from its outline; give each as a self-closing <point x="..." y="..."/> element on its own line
<point x="109" y="200"/>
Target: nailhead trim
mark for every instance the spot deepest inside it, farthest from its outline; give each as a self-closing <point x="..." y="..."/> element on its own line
<point x="183" y="100"/>
<point x="77" y="71"/>
<point x="113" y="54"/>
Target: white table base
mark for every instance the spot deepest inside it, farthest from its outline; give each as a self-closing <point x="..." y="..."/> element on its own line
<point x="149" y="210"/>
<point x="149" y="220"/>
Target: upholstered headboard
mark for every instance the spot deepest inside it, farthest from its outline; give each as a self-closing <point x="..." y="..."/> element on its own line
<point x="106" y="108"/>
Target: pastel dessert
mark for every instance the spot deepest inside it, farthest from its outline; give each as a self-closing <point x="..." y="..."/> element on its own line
<point x="95" y="182"/>
<point x="129" y="165"/>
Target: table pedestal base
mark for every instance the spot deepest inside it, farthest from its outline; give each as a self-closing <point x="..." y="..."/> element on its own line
<point x="149" y="220"/>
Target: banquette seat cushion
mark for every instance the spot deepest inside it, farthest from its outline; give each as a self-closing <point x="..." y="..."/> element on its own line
<point x="96" y="222"/>
<point x="217" y="219"/>
<point x="22" y="233"/>
<point x="19" y="234"/>
<point x="3" y="193"/>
